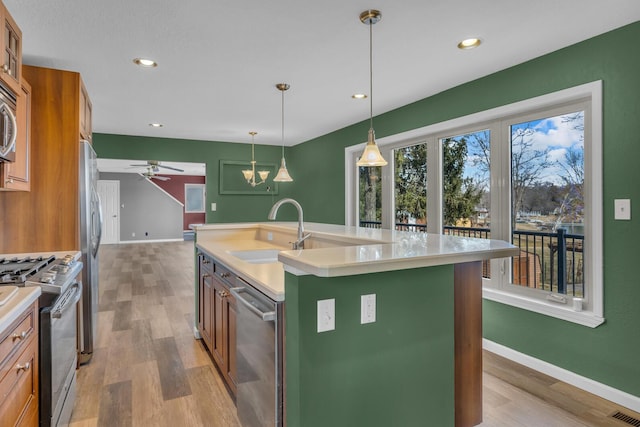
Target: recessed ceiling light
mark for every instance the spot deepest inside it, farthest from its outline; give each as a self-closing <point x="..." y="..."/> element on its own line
<point x="469" y="43"/>
<point x="144" y="62"/>
<point x="358" y="96"/>
<point x="156" y="125"/>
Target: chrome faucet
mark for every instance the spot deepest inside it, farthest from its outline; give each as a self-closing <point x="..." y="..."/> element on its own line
<point x="298" y="244"/>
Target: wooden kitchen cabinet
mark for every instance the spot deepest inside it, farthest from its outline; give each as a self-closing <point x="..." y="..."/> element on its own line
<point x="52" y="202"/>
<point x="15" y="175"/>
<point x="19" y="371"/>
<point x="11" y="42"/>
<point x="205" y="287"/>
<point x="217" y="317"/>
<point x="86" y="112"/>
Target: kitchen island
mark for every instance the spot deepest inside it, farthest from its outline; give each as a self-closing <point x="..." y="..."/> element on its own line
<point x="419" y="363"/>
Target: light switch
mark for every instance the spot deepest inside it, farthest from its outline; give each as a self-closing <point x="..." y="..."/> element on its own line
<point x="213" y="207"/>
<point x="622" y="209"/>
<point x="326" y="315"/>
<point x="367" y="308"/>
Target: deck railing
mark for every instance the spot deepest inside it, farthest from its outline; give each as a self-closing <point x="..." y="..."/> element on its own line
<point x="552" y="261"/>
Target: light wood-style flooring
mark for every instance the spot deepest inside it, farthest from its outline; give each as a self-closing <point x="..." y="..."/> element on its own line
<point x="148" y="370"/>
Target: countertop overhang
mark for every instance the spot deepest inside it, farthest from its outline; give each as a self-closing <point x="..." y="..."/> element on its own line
<point x="357" y="251"/>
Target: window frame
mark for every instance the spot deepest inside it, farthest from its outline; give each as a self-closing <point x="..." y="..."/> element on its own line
<point x="498" y="287"/>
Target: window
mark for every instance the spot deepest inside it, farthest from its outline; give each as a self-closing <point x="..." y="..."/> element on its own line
<point x="528" y="173"/>
<point x="194" y="198"/>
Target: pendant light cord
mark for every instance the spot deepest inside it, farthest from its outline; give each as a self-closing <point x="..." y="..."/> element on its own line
<point x="283" y="124"/>
<point x="371" y="74"/>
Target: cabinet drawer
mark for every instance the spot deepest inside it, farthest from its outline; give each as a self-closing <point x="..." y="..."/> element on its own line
<point x="223" y="274"/>
<point x="206" y="265"/>
<point x="14" y="338"/>
<point x="19" y="385"/>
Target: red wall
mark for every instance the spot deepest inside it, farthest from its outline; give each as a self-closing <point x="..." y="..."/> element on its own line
<point x="175" y="187"/>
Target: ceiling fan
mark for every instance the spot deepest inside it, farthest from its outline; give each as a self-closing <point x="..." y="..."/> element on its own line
<point x="154" y="165"/>
<point x="151" y="174"/>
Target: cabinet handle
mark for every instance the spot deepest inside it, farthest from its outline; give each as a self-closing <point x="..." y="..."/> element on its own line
<point x="9" y="181"/>
<point x="206" y="261"/>
<point x="205" y="275"/>
<point x="20" y="336"/>
<point x="24" y="367"/>
<point x="225" y="275"/>
<point x="5" y="68"/>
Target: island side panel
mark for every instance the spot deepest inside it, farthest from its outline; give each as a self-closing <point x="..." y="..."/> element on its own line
<point x="468" y="343"/>
<point x="396" y="371"/>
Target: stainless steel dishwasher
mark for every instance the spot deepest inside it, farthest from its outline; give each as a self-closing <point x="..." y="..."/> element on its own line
<point x="259" y="346"/>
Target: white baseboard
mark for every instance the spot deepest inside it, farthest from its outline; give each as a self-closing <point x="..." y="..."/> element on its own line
<point x="606" y="392"/>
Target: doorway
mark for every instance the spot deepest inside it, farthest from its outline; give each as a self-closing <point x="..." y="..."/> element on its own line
<point x="109" y="192"/>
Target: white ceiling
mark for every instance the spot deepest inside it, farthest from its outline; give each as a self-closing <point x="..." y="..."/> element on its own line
<point x="219" y="61"/>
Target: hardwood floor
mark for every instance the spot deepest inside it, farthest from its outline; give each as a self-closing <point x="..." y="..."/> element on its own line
<point x="148" y="370"/>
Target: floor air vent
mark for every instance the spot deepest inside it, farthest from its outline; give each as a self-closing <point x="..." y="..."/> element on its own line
<point x="626" y="418"/>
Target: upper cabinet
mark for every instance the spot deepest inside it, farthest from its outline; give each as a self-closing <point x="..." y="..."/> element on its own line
<point x="85" y="113"/>
<point x="15" y="175"/>
<point x="11" y="42"/>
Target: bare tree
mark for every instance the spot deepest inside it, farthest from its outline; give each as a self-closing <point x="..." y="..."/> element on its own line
<point x="527" y="165"/>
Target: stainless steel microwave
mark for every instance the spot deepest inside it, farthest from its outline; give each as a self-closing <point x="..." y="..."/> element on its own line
<point x="8" y="126"/>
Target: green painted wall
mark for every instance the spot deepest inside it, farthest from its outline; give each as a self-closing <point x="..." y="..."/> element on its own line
<point x="609" y="353"/>
<point x="230" y="208"/>
<point x="606" y="354"/>
<point x="397" y="371"/>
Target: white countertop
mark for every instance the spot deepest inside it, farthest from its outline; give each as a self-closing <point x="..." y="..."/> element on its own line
<point x="356" y="250"/>
<point x="16" y="304"/>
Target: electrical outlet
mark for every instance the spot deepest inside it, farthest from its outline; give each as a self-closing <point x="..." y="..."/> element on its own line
<point x="326" y="315"/>
<point x="622" y="209"/>
<point x="214" y="206"/>
<point x="269" y="236"/>
<point x="367" y="308"/>
<point x="133" y="234"/>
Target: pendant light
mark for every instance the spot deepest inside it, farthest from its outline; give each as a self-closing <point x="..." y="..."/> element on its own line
<point x="283" y="173"/>
<point x="371" y="155"/>
<point x="250" y="174"/>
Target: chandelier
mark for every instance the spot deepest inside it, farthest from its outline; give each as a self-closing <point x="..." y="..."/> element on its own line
<point x="250" y="174"/>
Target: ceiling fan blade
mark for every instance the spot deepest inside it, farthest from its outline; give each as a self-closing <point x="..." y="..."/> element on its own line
<point x="161" y="178"/>
<point x="171" y="167"/>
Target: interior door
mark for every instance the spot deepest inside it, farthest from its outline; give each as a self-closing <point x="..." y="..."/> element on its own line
<point x="109" y="192"/>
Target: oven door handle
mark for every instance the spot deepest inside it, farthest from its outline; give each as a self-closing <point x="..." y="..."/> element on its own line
<point x="70" y="300"/>
<point x="267" y="316"/>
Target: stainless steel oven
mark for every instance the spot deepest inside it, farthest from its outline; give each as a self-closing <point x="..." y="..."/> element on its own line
<point x="58" y="356"/>
<point x="8" y="125"/>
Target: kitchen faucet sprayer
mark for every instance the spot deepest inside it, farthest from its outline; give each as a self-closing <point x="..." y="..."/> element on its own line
<point x="298" y="244"/>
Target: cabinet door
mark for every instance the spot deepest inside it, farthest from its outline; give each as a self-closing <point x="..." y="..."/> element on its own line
<point x="205" y="321"/>
<point x="11" y="42"/>
<point x="218" y="346"/>
<point x="15" y="175"/>
<point x="231" y="367"/>
<point x="85" y="114"/>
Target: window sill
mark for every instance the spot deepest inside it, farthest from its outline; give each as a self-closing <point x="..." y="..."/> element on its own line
<point x="585" y="318"/>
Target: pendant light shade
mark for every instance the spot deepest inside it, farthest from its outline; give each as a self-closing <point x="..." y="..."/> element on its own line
<point x="283" y="173"/>
<point x="371" y="155"/>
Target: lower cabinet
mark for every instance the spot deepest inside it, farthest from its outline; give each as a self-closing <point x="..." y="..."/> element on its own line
<point x="217" y="316"/>
<point x="19" y="371"/>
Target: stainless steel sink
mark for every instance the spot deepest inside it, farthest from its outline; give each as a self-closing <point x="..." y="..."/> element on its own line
<point x="257" y="256"/>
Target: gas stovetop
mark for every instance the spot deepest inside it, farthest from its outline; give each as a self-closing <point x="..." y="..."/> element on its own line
<point x="15" y="271"/>
<point x="52" y="274"/>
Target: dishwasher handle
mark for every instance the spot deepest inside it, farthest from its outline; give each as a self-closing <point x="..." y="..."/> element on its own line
<point x="267" y="316"/>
